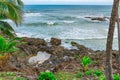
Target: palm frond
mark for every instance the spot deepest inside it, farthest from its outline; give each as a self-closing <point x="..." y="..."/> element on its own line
<point x="11" y="11"/>
<point x="6" y="29"/>
<point x="2" y="44"/>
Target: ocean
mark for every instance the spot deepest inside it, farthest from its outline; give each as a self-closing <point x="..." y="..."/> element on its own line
<point x="67" y="22"/>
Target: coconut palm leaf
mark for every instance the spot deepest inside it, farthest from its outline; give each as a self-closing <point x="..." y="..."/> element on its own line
<point x="8" y="46"/>
<point x="11" y="11"/>
<point x="7" y="29"/>
<point x="2" y="44"/>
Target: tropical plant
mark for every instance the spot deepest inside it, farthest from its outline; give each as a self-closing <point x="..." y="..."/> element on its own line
<point x="86" y="60"/>
<point x="110" y="36"/>
<point x="10" y="9"/>
<point x="6" y="48"/>
<point x="98" y="73"/>
<point x="47" y="76"/>
<point x="102" y="77"/>
<point x="116" y="77"/>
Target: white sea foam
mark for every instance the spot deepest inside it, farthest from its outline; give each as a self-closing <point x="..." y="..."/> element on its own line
<point x="23" y="35"/>
<point x="51" y="22"/>
<point x="68" y="21"/>
<point x="32" y="14"/>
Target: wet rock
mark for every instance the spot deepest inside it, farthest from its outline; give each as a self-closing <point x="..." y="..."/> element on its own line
<point x="55" y="41"/>
<point x="97" y="18"/>
<point x="82" y="48"/>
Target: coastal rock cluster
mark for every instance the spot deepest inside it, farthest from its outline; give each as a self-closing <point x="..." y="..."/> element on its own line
<point x="58" y="53"/>
<point x="98" y="18"/>
<point x="59" y="58"/>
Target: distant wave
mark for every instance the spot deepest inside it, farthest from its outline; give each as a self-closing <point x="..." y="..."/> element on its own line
<point x="65" y="21"/>
<point x="66" y="18"/>
<point x="42" y="24"/>
<point x="32" y="14"/>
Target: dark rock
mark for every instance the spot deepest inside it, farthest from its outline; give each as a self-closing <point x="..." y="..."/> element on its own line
<point x="98" y="18"/>
<point x="34" y="41"/>
<point x="55" y="41"/>
<point x="31" y="45"/>
<point x="52" y="49"/>
<point x="82" y="48"/>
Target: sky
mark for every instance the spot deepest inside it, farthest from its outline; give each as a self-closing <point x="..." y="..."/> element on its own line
<point x="78" y="2"/>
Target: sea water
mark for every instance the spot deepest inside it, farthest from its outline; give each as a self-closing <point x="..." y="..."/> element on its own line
<point x="67" y="22"/>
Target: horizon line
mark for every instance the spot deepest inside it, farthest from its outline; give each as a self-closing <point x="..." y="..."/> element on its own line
<point x="71" y="4"/>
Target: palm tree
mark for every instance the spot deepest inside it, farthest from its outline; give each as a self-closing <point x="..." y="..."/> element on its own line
<point x="110" y="40"/>
<point x="10" y="9"/>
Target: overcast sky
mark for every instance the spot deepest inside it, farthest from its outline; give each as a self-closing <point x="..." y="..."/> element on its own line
<point x="83" y="2"/>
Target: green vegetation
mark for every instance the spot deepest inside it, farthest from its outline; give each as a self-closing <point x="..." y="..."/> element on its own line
<point x="10" y="9"/>
<point x="47" y="76"/>
<point x="85" y="62"/>
<point x="116" y="77"/>
<point x="66" y="76"/>
<point x="7" y="47"/>
<point x="10" y="76"/>
<point x="20" y="78"/>
<point x="79" y="74"/>
<point x="98" y="73"/>
<point x="89" y="72"/>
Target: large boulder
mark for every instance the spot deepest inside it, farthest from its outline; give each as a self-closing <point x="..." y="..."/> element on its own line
<point x="55" y="41"/>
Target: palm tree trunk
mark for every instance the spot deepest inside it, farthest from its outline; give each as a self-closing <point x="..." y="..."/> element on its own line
<point x="118" y="26"/>
<point x="110" y="40"/>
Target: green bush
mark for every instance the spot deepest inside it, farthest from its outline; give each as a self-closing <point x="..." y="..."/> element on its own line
<point x="86" y="61"/>
<point x="116" y="77"/>
<point x="8" y="46"/>
<point x="102" y="77"/>
<point x="47" y="76"/>
<point x="98" y="73"/>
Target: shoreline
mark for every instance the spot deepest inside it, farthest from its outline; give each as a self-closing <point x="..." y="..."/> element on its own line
<point x="58" y="61"/>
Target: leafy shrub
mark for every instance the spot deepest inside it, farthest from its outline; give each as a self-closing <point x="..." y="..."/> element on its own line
<point x="102" y="77"/>
<point x="8" y="46"/>
<point x="98" y="73"/>
<point x="47" y="76"/>
<point x="86" y="61"/>
<point x="116" y="77"/>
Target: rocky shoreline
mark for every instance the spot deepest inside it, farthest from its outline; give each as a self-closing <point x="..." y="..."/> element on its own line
<point x="60" y="59"/>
